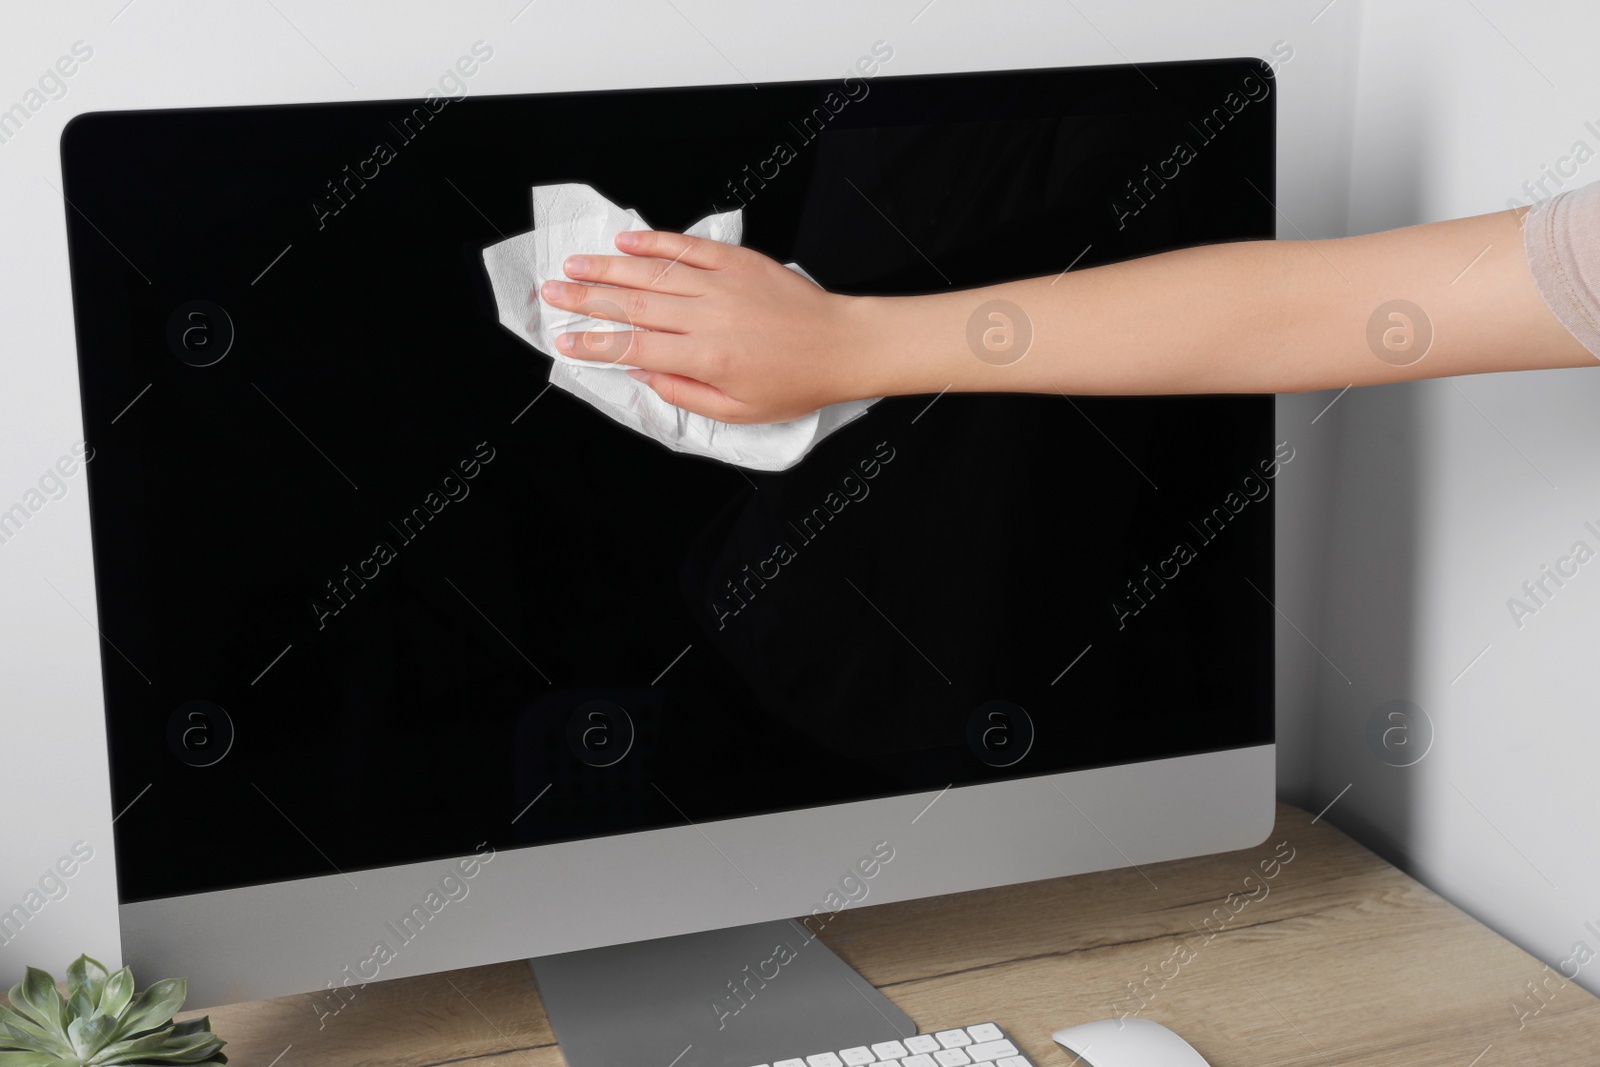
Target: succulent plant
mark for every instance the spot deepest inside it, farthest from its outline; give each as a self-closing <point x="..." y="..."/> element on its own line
<point x="100" y="1021"/>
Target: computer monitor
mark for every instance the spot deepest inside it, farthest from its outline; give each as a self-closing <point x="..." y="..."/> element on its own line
<point x="413" y="663"/>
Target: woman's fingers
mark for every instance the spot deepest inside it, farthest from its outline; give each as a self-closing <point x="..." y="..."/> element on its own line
<point x="700" y="252"/>
<point x="647" y="349"/>
<point x="632" y="307"/>
<point x="658" y="262"/>
<point x="646" y="273"/>
<point x="601" y="346"/>
<point x="638" y="272"/>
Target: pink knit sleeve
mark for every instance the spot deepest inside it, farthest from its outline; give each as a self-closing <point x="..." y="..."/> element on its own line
<point x="1561" y="237"/>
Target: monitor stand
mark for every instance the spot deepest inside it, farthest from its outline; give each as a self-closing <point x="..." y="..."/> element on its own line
<point x="736" y="997"/>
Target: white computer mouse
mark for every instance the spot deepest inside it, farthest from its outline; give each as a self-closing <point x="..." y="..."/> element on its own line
<point x="1128" y="1043"/>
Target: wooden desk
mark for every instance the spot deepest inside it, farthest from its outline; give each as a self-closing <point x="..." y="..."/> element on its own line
<point x="1336" y="959"/>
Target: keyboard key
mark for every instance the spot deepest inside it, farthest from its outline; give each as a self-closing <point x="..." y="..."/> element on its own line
<point x="886" y="1063"/>
<point x="985" y="1032"/>
<point x="825" y="1059"/>
<point x="886" y="1050"/>
<point x="952" y="1057"/>
<point x="923" y="1043"/>
<point x="859" y="1056"/>
<point x="953" y="1038"/>
<point x="790" y="1063"/>
<point x="1012" y="1061"/>
<point x="919" y="1060"/>
<point x="992" y="1050"/>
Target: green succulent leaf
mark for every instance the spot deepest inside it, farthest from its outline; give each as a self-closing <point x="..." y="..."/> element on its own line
<point x="34" y="1059"/>
<point x="117" y="993"/>
<point x="86" y="978"/>
<point x="131" y="1048"/>
<point x="166" y="1047"/>
<point x="36" y="998"/>
<point x="19" y="1015"/>
<point x="153" y="1008"/>
<point x="79" y="1004"/>
<point x="90" y="1035"/>
<point x="201" y="1025"/>
<point x="205" y="1054"/>
<point x="30" y="1036"/>
<point x="198" y="1056"/>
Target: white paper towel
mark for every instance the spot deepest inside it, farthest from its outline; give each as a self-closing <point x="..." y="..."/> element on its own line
<point x="572" y="219"/>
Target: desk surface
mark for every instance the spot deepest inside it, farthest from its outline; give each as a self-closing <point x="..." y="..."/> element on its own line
<point x="1332" y="957"/>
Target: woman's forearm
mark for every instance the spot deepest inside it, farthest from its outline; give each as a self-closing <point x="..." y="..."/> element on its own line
<point x="1258" y="316"/>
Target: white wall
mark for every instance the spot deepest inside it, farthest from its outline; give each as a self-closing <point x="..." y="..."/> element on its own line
<point x="1448" y="495"/>
<point x="170" y="53"/>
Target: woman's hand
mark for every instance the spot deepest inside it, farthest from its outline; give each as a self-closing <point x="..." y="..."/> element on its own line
<point x="722" y="331"/>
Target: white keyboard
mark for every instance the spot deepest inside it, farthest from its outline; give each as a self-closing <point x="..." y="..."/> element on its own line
<point x="982" y="1045"/>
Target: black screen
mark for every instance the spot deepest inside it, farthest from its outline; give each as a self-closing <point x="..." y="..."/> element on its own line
<point x="404" y="593"/>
